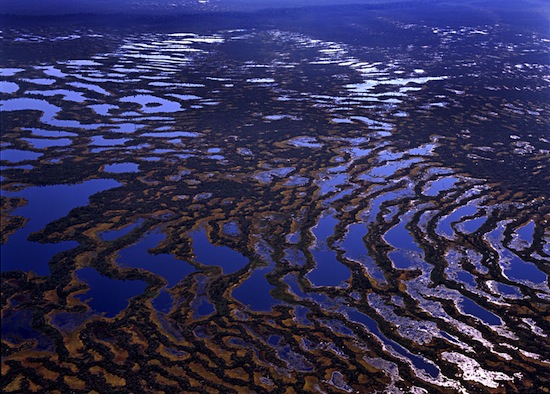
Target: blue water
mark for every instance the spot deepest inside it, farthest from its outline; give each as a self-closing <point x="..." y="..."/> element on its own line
<point x="522" y="270"/>
<point x="324" y="228"/>
<point x="389" y="169"/>
<point x="328" y="270"/>
<point x="474" y="224"/>
<point x="165" y="265"/>
<point x="255" y="291"/>
<point x="8" y="87"/>
<point x="119" y="168"/>
<point x="353" y="243"/>
<point x="371" y="324"/>
<point x="526" y="232"/>
<point x="331" y="183"/>
<point x="51" y="133"/>
<point x="355" y="249"/>
<point x="440" y="185"/>
<point x="20" y="254"/>
<point x="231" y="229"/>
<point x="41" y="143"/>
<point x="228" y="259"/>
<point x="99" y="140"/>
<point x="17" y="155"/>
<point x="471" y="308"/>
<point x="467" y="278"/>
<point x="444" y="226"/>
<point x="106" y="295"/>
<point x="508" y="290"/>
<point x="375" y="205"/>
<point x="49" y="111"/>
<point x="111" y="235"/>
<point x="399" y="237"/>
<point x="292" y="281"/>
<point x="162" y="302"/>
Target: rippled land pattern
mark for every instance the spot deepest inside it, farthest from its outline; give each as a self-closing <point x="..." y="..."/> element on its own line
<point x="266" y="209"/>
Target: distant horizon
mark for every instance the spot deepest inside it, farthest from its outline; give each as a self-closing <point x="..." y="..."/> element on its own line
<point x="160" y="7"/>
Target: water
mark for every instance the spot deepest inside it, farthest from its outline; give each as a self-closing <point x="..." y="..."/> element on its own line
<point x="119" y="168"/>
<point x="228" y="259"/>
<point x="19" y="253"/>
<point x="417" y="361"/>
<point x="165" y="265"/>
<point x="108" y="296"/>
<point x="440" y="185"/>
<point x="255" y="291"/>
<point x="328" y="270"/>
<point x="17" y="155"/>
<point x="8" y="87"/>
<point x="471" y="308"/>
<point x="40" y="143"/>
<point x="444" y="226"/>
<point x="111" y="235"/>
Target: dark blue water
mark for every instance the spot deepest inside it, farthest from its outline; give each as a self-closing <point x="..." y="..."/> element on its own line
<point x="522" y="270"/>
<point x="165" y="265"/>
<point x="467" y="278"/>
<point x="508" y="290"/>
<point x="324" y="228"/>
<point x="440" y="185"/>
<point x="17" y="328"/>
<point x="292" y="281"/>
<point x="371" y="324"/>
<point x="399" y="237"/>
<point x="17" y="155"/>
<point x="471" y="308"/>
<point x="208" y="254"/>
<point x="201" y="305"/>
<point x="526" y="232"/>
<point x="162" y="302"/>
<point x="111" y="235"/>
<point x="444" y="226"/>
<point x="255" y="292"/>
<point x="328" y="270"/>
<point x="353" y="242"/>
<point x="119" y="168"/>
<point x="473" y="224"/>
<point x="108" y="296"/>
<point x="20" y="254"/>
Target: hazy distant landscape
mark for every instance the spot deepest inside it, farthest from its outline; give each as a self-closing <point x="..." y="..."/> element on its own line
<point x="275" y="197"/>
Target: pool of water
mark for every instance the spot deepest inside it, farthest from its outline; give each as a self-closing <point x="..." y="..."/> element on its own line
<point x="444" y="226"/>
<point x="328" y="270"/>
<point x="119" y="168"/>
<point x="8" y="87"/>
<point x="228" y="259"/>
<point x="19" y="253"/>
<point x="41" y="143"/>
<point x="18" y="155"/>
<point x="165" y="265"/>
<point x="372" y="326"/>
<point x="111" y="235"/>
<point x="255" y="291"/>
<point x="108" y="296"/>
<point x="471" y="308"/>
<point x="441" y="184"/>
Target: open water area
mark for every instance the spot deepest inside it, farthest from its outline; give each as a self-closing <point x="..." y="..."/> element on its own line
<point x="275" y="205"/>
